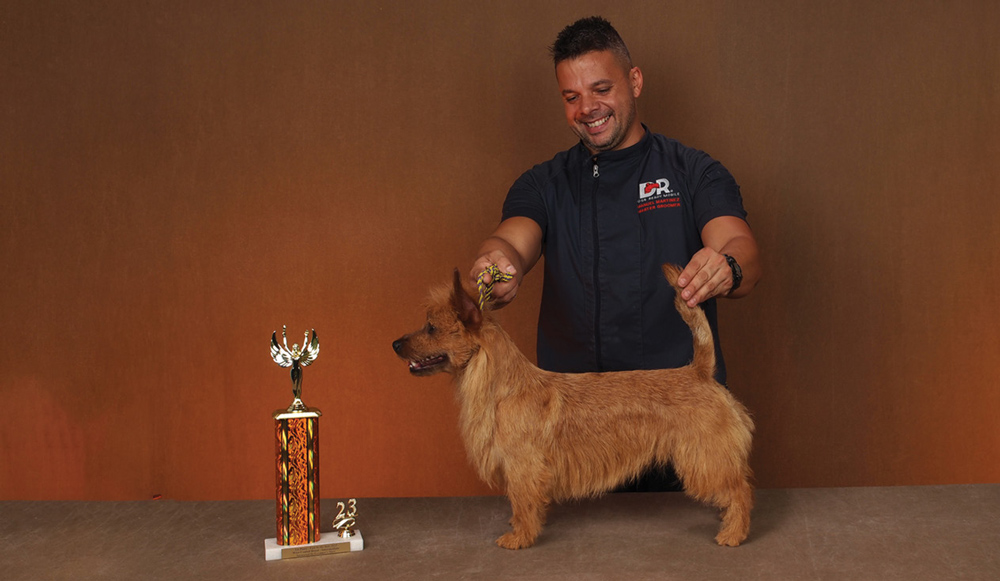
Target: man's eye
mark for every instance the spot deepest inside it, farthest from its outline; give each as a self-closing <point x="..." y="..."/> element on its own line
<point x="571" y="99"/>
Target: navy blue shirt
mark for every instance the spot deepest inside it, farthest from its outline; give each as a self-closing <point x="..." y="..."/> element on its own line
<point x="608" y="222"/>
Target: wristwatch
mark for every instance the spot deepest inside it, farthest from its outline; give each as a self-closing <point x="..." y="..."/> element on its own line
<point x="737" y="272"/>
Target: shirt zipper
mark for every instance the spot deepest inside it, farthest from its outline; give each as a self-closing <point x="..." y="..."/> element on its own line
<point x="597" y="280"/>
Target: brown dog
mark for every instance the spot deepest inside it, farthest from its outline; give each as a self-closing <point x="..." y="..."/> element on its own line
<point x="547" y="436"/>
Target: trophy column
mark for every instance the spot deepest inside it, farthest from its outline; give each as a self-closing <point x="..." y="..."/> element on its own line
<point x="297" y="476"/>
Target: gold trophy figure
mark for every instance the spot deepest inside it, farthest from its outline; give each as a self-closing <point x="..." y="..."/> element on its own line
<point x="295" y="358"/>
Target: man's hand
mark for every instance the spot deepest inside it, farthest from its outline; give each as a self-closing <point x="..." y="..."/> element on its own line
<point x="707" y="275"/>
<point x="503" y="292"/>
<point x="514" y="247"/>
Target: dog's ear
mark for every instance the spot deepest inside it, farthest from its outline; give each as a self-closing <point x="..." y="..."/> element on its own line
<point x="465" y="306"/>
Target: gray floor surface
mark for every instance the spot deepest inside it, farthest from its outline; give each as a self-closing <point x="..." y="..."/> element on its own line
<point x="912" y="533"/>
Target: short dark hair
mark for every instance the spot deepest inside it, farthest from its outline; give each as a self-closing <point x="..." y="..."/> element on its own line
<point x="587" y="35"/>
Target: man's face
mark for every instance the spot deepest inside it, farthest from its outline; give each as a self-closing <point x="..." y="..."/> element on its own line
<point x="599" y="95"/>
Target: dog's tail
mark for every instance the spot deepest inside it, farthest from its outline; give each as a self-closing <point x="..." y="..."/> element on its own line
<point x="704" y="346"/>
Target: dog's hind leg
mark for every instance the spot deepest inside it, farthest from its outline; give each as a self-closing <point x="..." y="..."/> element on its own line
<point x="736" y="517"/>
<point x="723" y="484"/>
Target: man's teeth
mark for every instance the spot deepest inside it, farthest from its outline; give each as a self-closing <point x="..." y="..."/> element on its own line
<point x="598" y="123"/>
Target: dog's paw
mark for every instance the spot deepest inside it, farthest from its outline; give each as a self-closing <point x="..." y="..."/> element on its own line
<point x="729" y="540"/>
<point x="513" y="541"/>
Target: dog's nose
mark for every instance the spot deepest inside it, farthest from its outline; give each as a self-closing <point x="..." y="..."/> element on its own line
<point x="397" y="345"/>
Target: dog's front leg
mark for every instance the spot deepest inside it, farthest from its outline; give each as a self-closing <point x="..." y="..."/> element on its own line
<point x="529" y="503"/>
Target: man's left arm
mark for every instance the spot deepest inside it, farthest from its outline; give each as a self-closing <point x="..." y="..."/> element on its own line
<point x="708" y="273"/>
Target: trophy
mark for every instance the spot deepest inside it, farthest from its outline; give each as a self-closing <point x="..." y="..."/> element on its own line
<point x="297" y="470"/>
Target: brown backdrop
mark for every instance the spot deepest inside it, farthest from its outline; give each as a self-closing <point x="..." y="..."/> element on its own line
<point x="179" y="179"/>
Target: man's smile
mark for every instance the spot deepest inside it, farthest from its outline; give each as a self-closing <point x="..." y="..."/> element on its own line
<point x="598" y="123"/>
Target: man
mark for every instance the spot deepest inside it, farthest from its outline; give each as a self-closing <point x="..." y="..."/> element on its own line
<point x="606" y="213"/>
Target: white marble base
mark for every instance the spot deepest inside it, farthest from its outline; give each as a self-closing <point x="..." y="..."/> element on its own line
<point x="328" y="544"/>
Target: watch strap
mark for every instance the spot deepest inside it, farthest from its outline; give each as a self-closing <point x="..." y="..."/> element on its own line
<point x="737" y="272"/>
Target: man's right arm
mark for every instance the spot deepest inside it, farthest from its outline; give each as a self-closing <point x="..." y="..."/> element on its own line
<point x="515" y="246"/>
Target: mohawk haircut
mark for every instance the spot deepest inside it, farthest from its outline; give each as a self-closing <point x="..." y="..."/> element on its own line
<point x="588" y="35"/>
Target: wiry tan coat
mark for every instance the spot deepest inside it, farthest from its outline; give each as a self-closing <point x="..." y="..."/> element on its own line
<point x="544" y="436"/>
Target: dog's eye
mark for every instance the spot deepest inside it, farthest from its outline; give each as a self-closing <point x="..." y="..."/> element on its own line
<point x="431" y="329"/>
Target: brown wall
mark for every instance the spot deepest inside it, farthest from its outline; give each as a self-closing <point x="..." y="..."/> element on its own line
<point x="179" y="180"/>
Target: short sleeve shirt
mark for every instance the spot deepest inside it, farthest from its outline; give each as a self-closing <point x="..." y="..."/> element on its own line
<point x="608" y="222"/>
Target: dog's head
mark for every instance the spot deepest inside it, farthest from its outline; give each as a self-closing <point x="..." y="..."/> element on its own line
<point x="449" y="339"/>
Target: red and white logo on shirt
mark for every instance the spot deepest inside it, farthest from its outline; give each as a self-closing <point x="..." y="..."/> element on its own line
<point x="657" y="195"/>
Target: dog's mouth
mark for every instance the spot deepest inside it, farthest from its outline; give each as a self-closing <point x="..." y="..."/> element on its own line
<point x="428" y="365"/>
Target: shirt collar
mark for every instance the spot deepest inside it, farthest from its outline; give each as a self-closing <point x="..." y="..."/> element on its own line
<point x="637" y="149"/>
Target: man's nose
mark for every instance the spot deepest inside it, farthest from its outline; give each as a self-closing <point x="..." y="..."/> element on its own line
<point x="587" y="105"/>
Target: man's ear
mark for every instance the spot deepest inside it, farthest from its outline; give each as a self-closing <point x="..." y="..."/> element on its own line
<point x="465" y="306"/>
<point x="635" y="79"/>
